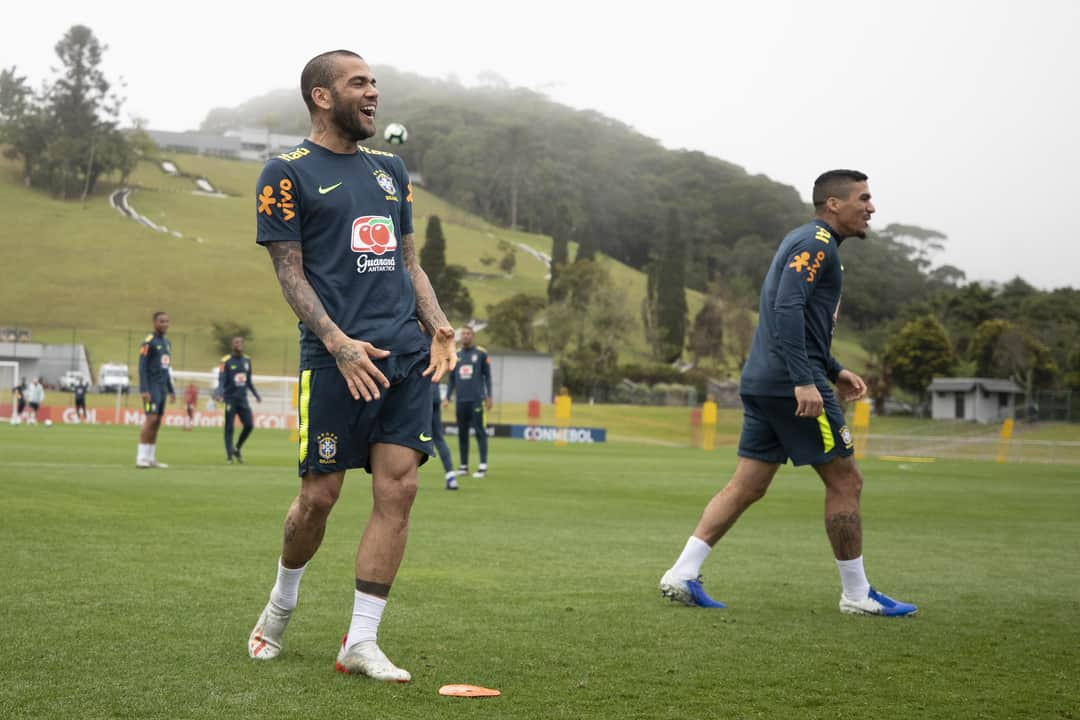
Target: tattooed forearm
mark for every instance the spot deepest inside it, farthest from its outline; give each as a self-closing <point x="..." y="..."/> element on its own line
<point x="845" y="534"/>
<point x="289" y="265"/>
<point x="431" y="315"/>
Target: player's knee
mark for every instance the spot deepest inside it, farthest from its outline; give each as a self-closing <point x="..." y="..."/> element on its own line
<point x="318" y="499"/>
<point x="398" y="492"/>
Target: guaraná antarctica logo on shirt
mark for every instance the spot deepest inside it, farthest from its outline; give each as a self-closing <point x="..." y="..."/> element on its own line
<point x="327" y="447"/>
<point x="374" y="234"/>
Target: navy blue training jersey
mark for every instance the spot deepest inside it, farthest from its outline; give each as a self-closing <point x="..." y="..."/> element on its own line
<point x="154" y="357"/>
<point x="349" y="212"/>
<point x="471" y="379"/>
<point x="799" y="303"/>
<point x="234" y="378"/>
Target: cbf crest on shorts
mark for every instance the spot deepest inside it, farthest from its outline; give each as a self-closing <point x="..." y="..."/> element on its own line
<point x="327" y="447"/>
<point x="845" y="435"/>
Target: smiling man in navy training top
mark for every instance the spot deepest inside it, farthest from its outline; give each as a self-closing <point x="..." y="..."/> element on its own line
<point x="790" y="411"/>
<point x="336" y="218"/>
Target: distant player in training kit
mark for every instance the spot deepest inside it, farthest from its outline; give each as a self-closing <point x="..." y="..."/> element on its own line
<point x="191" y="399"/>
<point x="789" y="408"/>
<point x="472" y="383"/>
<point x="234" y="381"/>
<point x="337" y="221"/>
<point x="155" y="383"/>
<point x="80" y="400"/>
<point x="439" y="439"/>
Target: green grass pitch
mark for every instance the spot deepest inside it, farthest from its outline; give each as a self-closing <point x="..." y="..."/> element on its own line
<point x="130" y="594"/>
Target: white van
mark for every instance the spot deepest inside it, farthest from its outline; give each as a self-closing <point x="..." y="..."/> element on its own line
<point x="113" y="377"/>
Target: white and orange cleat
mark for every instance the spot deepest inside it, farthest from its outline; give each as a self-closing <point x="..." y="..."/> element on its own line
<point x="365" y="658"/>
<point x="264" y="643"/>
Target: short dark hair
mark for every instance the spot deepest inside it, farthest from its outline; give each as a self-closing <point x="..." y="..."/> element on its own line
<point x="321" y="71"/>
<point x="158" y="314"/>
<point x="835" y="183"/>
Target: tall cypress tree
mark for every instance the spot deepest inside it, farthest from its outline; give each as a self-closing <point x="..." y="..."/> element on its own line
<point x="433" y="254"/>
<point x="671" y="305"/>
<point x="560" y="256"/>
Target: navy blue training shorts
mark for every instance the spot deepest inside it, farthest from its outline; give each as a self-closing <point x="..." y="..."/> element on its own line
<point x="336" y="432"/>
<point x="156" y="406"/>
<point x="772" y="432"/>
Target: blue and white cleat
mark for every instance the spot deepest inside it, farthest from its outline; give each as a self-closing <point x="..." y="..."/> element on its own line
<point x="687" y="592"/>
<point x="876" y="603"/>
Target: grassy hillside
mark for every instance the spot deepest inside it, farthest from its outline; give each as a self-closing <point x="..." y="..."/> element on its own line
<point x="85" y="266"/>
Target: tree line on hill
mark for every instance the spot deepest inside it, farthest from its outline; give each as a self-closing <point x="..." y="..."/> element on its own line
<point x="67" y="134"/>
<point x="689" y="220"/>
<point x="685" y="219"/>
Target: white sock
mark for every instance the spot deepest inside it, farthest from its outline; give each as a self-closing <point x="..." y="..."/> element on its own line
<point x="366" y="616"/>
<point x="151" y="452"/>
<point x="451" y="475"/>
<point x="482" y="467"/>
<point x="144" y="452"/>
<point x="853" y="578"/>
<point x="688" y="566"/>
<point x="287" y="587"/>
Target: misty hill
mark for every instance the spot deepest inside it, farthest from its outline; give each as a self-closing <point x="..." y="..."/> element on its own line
<point x="516" y="158"/>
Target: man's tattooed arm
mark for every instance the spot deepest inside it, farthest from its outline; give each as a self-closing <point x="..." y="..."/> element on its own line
<point x="431" y="315"/>
<point x="289" y="265"/>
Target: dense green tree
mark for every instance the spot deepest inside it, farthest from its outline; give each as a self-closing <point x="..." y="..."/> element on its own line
<point x="67" y="136"/>
<point x="918" y="353"/>
<point x="512" y="323"/>
<point x="223" y="331"/>
<point x="433" y="254"/>
<point x="706" y="339"/>
<point x="446" y="280"/>
<point x="560" y="256"/>
<point x="671" y="308"/>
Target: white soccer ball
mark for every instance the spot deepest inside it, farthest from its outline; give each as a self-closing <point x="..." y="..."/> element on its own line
<point x="48" y="423"/>
<point x="396" y="134"/>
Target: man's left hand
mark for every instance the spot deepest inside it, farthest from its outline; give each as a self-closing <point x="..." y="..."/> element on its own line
<point x="443" y="354"/>
<point x="850" y="385"/>
<point x="488" y="403"/>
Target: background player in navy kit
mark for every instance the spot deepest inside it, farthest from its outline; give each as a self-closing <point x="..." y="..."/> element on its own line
<point x="472" y="383"/>
<point x="336" y="219"/>
<point x="155" y="383"/>
<point x="789" y="408"/>
<point x="439" y="440"/>
<point x="81" y="386"/>
<point x="234" y="381"/>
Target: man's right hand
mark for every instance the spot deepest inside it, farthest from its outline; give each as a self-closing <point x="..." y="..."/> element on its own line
<point x="808" y="401"/>
<point x="354" y="361"/>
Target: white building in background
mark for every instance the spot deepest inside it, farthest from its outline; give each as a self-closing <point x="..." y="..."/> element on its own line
<point x="518" y="377"/>
<point x="241" y="144"/>
<point x="985" y="400"/>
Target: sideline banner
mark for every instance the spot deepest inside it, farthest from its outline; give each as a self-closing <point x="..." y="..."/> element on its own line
<point x="542" y="433"/>
<point x="174" y="417"/>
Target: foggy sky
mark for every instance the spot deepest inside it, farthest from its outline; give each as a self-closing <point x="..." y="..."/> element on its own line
<point x="964" y="114"/>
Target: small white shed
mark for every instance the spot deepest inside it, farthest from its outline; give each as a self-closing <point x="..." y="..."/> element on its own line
<point x="985" y="400"/>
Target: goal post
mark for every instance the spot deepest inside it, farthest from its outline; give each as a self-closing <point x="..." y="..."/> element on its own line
<point x="277" y="391"/>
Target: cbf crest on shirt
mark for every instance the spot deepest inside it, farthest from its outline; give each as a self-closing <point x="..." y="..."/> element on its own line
<point x="349" y="212"/>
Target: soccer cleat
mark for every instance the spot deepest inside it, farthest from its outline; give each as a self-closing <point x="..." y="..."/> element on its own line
<point x="876" y="603"/>
<point x="451" y="483"/>
<point x="365" y="658"/>
<point x="687" y="592"/>
<point x="143" y="463"/>
<point x="238" y="456"/>
<point x="463" y="470"/>
<point x="264" y="643"/>
<point x="158" y="465"/>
